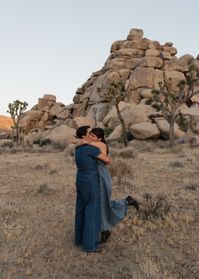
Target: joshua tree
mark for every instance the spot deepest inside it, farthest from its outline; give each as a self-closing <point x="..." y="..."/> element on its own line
<point x="115" y="94"/>
<point x="168" y="102"/>
<point x="16" y="110"/>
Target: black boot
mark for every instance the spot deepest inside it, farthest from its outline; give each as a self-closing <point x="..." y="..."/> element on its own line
<point x="132" y="202"/>
<point x="105" y="235"/>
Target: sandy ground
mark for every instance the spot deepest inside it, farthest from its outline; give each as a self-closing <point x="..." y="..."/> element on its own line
<point x="37" y="201"/>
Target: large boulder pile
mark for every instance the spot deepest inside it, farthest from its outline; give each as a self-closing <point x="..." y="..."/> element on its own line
<point x="45" y="123"/>
<point x="141" y="64"/>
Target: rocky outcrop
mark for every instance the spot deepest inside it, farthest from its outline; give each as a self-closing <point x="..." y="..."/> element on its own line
<point x="5" y="127"/>
<point x="5" y="123"/>
<point x="141" y="64"/>
<point x="44" y="117"/>
<point x="47" y="112"/>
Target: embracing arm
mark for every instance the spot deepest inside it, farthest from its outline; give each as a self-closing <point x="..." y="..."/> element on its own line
<point x="104" y="158"/>
<point x="78" y="142"/>
<point x="100" y="145"/>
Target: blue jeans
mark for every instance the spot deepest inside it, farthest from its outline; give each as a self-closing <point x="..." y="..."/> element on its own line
<point x="87" y="217"/>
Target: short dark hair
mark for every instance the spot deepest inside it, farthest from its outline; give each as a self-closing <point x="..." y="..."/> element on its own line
<point x="82" y="131"/>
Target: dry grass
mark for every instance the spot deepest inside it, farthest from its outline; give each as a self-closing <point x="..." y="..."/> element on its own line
<point x="125" y="153"/>
<point x="120" y="169"/>
<point x="37" y="218"/>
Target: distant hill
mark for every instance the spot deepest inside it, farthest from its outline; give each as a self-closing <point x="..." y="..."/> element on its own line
<point x="5" y="123"/>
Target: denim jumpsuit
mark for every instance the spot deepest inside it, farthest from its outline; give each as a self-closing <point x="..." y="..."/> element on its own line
<point x="87" y="216"/>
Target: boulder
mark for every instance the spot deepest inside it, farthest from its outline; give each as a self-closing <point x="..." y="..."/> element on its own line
<point x="60" y="137"/>
<point x="30" y="120"/>
<point x="50" y="97"/>
<point x="113" y="113"/>
<point x="163" y="126"/>
<point x="82" y="121"/>
<point x="145" y="130"/>
<point x="173" y="78"/>
<point x="116" y="134"/>
<point x="151" y="62"/>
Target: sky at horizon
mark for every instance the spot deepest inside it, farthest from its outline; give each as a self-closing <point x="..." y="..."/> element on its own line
<point x="53" y="46"/>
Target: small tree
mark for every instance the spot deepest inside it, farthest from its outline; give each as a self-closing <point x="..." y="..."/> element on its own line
<point x="168" y="102"/>
<point x="16" y="110"/>
<point x="115" y="94"/>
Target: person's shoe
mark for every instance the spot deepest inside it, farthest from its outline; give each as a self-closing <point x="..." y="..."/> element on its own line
<point x="132" y="202"/>
<point x="105" y="235"/>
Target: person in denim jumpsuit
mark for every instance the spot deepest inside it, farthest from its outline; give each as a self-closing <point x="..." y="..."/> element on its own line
<point x="88" y="213"/>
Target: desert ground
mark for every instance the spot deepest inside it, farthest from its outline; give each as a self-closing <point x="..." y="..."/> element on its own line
<point x="37" y="206"/>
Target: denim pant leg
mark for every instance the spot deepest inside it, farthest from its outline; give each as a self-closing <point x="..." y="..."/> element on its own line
<point x="79" y="220"/>
<point x="92" y="220"/>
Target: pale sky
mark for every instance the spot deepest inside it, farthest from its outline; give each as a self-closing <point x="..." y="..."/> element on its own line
<point x="53" y="46"/>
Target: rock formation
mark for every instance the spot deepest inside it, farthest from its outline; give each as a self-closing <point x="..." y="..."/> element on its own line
<point x="141" y="64"/>
<point x="5" y="127"/>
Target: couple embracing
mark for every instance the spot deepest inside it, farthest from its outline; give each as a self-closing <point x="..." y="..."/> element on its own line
<point x="95" y="212"/>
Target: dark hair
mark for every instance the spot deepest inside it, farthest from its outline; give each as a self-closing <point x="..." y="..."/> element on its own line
<point x="82" y="131"/>
<point x="99" y="133"/>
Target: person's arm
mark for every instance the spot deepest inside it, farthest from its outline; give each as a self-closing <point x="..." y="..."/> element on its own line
<point x="78" y="142"/>
<point x="102" y="146"/>
<point x="104" y="158"/>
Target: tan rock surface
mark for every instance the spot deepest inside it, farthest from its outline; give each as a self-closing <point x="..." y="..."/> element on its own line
<point x="5" y="123"/>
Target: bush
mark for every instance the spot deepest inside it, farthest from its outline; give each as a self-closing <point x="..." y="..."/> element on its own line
<point x="176" y="164"/>
<point x="183" y="122"/>
<point x="154" y="207"/>
<point x="45" y="142"/>
<point x="128" y="153"/>
<point x="192" y="187"/>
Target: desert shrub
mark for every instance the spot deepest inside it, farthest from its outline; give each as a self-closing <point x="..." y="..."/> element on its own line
<point x="183" y="122"/>
<point x="38" y="167"/>
<point x="154" y="207"/>
<point x="128" y="152"/>
<point x="43" y="189"/>
<point x="176" y="164"/>
<point x="41" y="167"/>
<point x="53" y="171"/>
<point x="192" y="186"/>
<point x="37" y="141"/>
<point x="120" y="168"/>
<point x="143" y="145"/>
<point x="124" y="153"/>
<point x="45" y="142"/>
